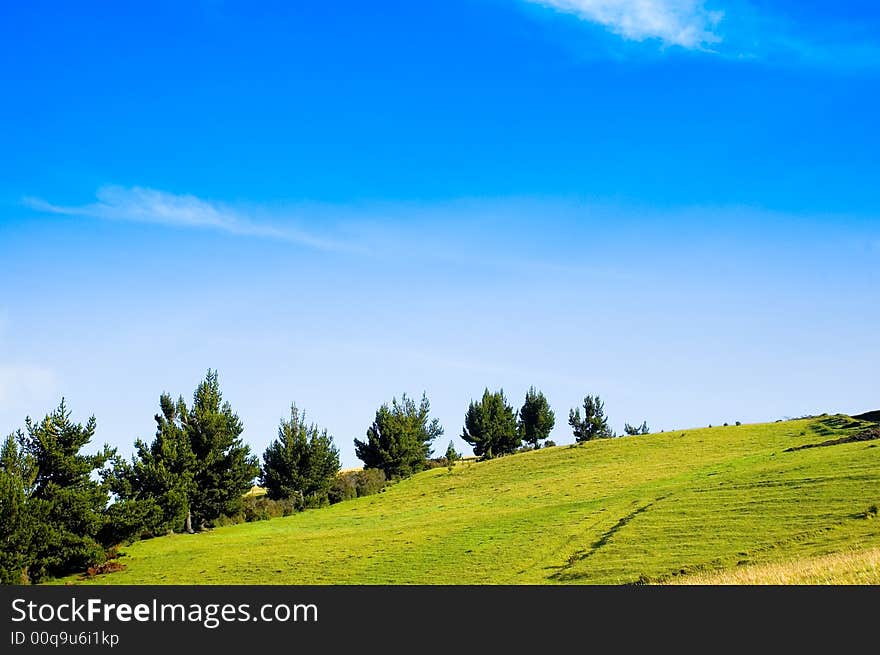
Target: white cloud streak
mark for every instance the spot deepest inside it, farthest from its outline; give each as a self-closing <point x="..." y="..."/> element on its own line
<point x="143" y="205"/>
<point x="685" y="23"/>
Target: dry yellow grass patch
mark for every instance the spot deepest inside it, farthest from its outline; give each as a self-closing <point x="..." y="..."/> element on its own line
<point x="860" y="567"/>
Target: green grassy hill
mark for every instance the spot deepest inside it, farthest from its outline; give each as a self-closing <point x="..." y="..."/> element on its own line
<point x="649" y="508"/>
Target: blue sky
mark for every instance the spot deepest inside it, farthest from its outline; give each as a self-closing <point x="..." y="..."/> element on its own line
<point x="671" y="203"/>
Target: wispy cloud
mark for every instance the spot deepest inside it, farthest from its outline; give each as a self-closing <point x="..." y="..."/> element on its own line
<point x="744" y="30"/>
<point x="143" y="205"/>
<point x="685" y="23"/>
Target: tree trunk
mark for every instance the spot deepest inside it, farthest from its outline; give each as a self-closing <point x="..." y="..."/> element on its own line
<point x="189" y="523"/>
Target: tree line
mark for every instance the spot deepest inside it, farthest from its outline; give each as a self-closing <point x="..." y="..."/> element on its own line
<point x="62" y="511"/>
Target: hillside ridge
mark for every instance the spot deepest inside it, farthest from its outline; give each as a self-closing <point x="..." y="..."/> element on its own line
<point x="620" y="511"/>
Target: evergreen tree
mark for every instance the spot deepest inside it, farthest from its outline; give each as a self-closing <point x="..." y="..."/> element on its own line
<point x="66" y="500"/>
<point x="195" y="470"/>
<point x="301" y="463"/>
<point x="155" y="488"/>
<point x="451" y="456"/>
<point x="18" y="523"/>
<point x="594" y="423"/>
<point x="224" y="467"/>
<point x="490" y="426"/>
<point x="536" y="419"/>
<point x="632" y="430"/>
<point x="399" y="440"/>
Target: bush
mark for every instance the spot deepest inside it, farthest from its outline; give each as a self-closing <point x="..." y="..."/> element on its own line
<point x="370" y="481"/>
<point x="263" y="508"/>
<point x="549" y="443"/>
<point x="260" y="508"/>
<point x="343" y="487"/>
<point x="223" y="521"/>
<point x="354" y="484"/>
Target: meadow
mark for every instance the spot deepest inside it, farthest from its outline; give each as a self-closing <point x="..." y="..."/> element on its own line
<point x="694" y="505"/>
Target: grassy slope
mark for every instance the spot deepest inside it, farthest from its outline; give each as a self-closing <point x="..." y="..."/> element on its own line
<point x="612" y="511"/>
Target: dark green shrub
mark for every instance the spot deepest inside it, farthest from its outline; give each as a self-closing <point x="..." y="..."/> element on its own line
<point x="354" y="484"/>
<point x="223" y="521"/>
<point x="369" y="482"/>
<point x="263" y="508"/>
<point x="343" y="487"/>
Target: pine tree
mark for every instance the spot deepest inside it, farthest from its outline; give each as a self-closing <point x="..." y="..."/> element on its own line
<point x="301" y="463"/>
<point x="68" y="502"/>
<point x="155" y="488"/>
<point x="594" y="424"/>
<point x="536" y="419"/>
<point x="195" y="470"/>
<point x="224" y="467"/>
<point x="490" y="426"/>
<point x="399" y="439"/>
<point x="18" y="523"/>
<point x="632" y="430"/>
